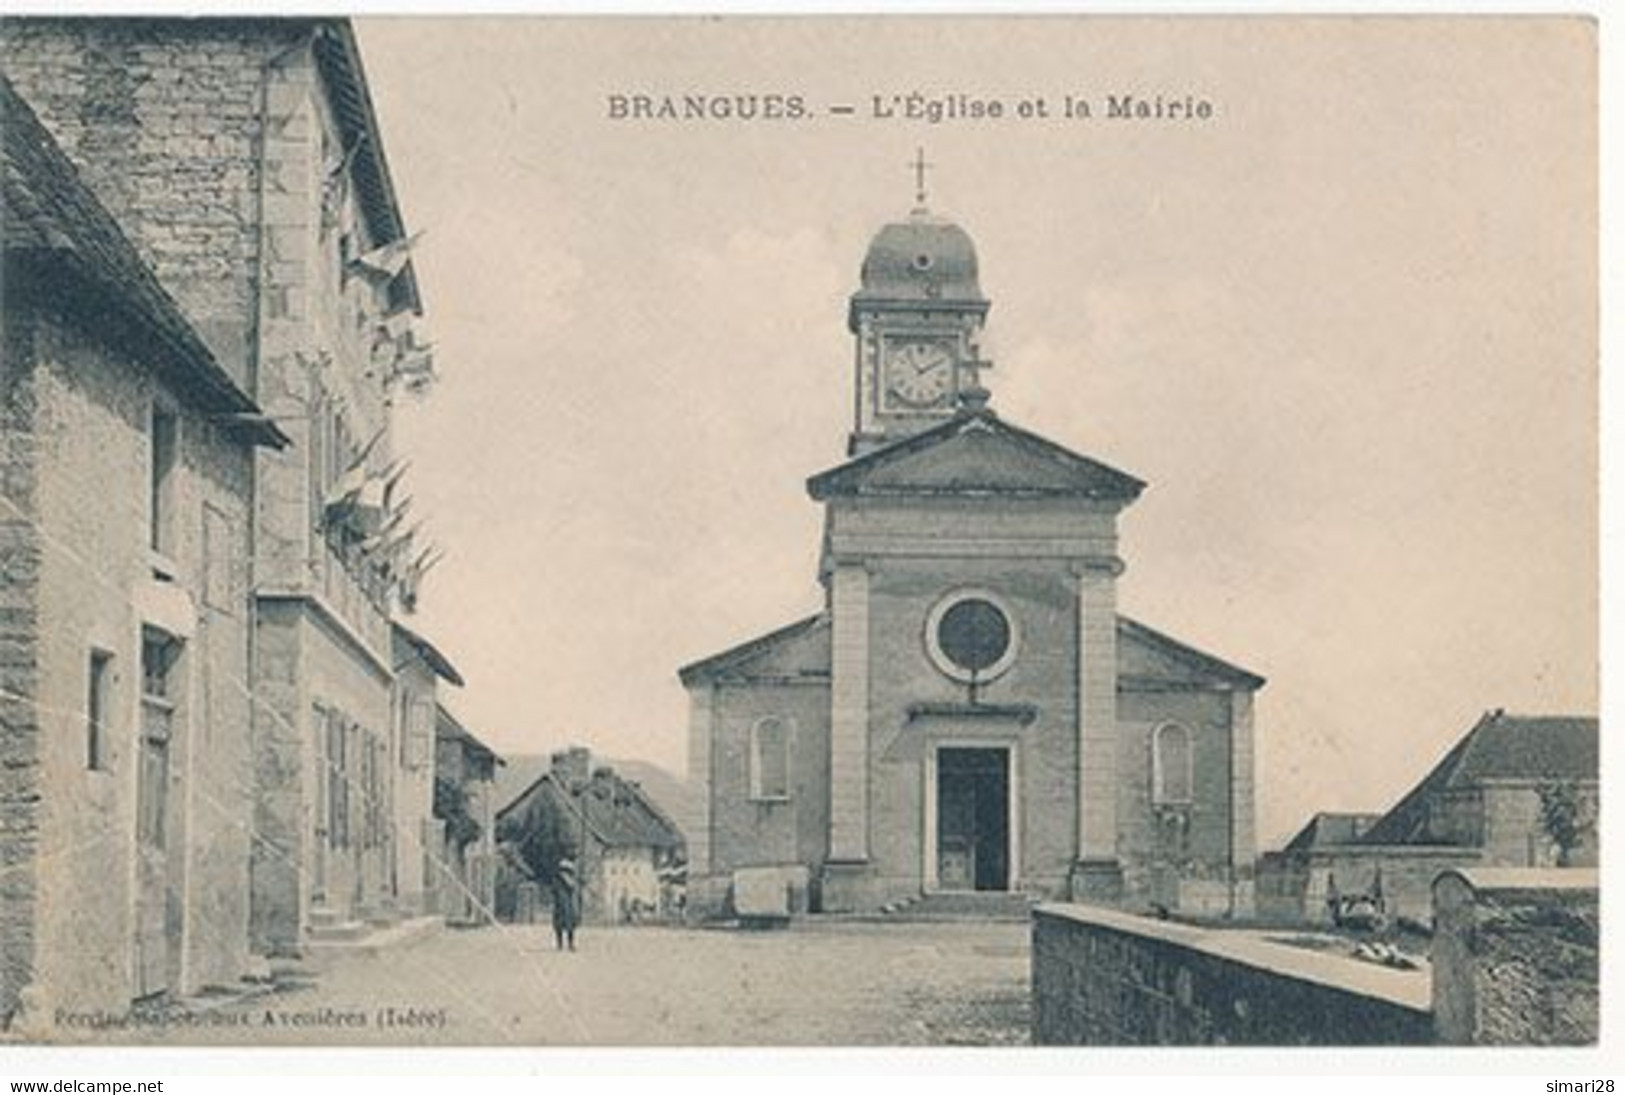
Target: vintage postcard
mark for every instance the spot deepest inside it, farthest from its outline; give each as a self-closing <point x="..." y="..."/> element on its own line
<point x="806" y="531"/>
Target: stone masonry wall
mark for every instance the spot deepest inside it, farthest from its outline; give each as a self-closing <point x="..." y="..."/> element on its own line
<point x="1101" y="977"/>
<point x="165" y="128"/>
<point x="75" y="577"/>
<point x="19" y="657"/>
<point x="1295" y="885"/>
<point x="97" y="592"/>
<point x="1516" y="957"/>
<point x="216" y="144"/>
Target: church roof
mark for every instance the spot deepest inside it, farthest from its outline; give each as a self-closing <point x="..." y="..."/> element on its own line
<point x="62" y="244"/>
<point x="1498" y="747"/>
<point x="925" y="259"/>
<point x="801" y="651"/>
<point x="750" y="657"/>
<point x="1178" y="656"/>
<point x="975" y="453"/>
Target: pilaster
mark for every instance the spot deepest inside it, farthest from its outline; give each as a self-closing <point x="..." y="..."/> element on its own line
<point x="1097" y="714"/>
<point x="849" y="713"/>
<point x="1243" y="834"/>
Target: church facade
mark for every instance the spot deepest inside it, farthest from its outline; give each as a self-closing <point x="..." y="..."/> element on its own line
<point x="969" y="713"/>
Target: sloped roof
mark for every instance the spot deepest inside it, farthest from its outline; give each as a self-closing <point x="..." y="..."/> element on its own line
<point x="431" y="655"/>
<point x="1331" y="828"/>
<point x="1498" y="747"/>
<point x="446" y="725"/>
<point x="1195" y="661"/>
<point x="618" y="813"/>
<point x="975" y="453"/>
<point x="739" y="659"/>
<point x="61" y="243"/>
<point x="801" y="649"/>
<point x="340" y="59"/>
<point x="674" y="797"/>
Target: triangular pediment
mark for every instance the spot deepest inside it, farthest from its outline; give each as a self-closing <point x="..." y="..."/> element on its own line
<point x="798" y="651"/>
<point x="975" y="454"/>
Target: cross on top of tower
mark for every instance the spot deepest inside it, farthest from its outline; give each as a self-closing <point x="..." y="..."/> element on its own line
<point x="920" y="167"/>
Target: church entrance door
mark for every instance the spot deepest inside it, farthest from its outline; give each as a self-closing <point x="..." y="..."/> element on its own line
<point x="973" y="818"/>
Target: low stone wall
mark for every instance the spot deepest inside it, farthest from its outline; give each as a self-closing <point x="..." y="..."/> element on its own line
<point x="1515" y="957"/>
<point x="1295" y="885"/>
<point x="1102" y="977"/>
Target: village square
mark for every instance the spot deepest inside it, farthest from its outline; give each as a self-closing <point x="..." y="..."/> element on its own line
<point x="957" y="794"/>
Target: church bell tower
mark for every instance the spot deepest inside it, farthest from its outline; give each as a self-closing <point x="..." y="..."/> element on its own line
<point x="915" y="319"/>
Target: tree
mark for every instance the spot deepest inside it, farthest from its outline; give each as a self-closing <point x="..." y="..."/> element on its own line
<point x="540" y="836"/>
<point x="1565" y="814"/>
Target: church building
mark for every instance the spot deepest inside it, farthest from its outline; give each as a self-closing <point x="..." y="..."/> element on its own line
<point x="969" y="713"/>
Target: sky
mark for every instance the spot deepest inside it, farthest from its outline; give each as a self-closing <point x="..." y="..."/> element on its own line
<point x="1345" y="328"/>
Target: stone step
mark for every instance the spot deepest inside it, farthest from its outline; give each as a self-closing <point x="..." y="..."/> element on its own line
<point x="964" y="905"/>
<point x="370" y="940"/>
<point x="382" y="916"/>
<point x="328" y="926"/>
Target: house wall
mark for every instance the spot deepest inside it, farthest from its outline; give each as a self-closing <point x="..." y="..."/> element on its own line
<point x="95" y="589"/>
<point x="1498" y="824"/>
<point x="749" y="833"/>
<point x="1294" y="886"/>
<point x="629" y="876"/>
<point x="209" y="140"/>
<point x="1514" y="834"/>
<point x="481" y="856"/>
<point x="21" y="719"/>
<point x="1176" y="857"/>
<point x="165" y="125"/>
<point x="1184" y="858"/>
<point x="412" y="717"/>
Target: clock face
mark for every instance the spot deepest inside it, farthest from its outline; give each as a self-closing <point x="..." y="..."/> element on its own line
<point x="919" y="375"/>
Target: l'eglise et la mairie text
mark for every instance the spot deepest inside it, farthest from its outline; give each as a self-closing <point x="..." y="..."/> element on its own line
<point x="961" y="107"/>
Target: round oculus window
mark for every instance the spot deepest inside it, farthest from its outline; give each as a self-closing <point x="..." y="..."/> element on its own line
<point x="970" y="636"/>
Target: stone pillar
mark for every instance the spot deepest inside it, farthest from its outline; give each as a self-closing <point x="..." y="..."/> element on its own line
<point x="1243" y="836"/>
<point x="1097" y="875"/>
<point x="1516" y="957"/>
<point x="849" y="715"/>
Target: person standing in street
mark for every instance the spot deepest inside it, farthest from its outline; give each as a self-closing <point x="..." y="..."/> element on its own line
<point x="566" y="903"/>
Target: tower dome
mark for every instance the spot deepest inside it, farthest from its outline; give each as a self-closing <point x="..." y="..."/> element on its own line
<point x="925" y="259"/>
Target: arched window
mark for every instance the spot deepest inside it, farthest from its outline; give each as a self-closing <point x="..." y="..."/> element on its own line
<point x="1171" y="765"/>
<point x="770" y="759"/>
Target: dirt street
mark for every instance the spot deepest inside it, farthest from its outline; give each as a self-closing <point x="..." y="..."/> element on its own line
<point x="816" y="983"/>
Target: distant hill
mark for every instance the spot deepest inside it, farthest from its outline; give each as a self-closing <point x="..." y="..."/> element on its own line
<point x="671" y="793"/>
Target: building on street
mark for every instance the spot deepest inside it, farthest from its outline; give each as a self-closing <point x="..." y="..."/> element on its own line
<point x="968" y="712"/>
<point x="628" y="851"/>
<point x="216" y="194"/>
<point x="463" y="871"/>
<point x="417" y="835"/>
<point x="1501" y="797"/>
<point x="126" y="471"/>
<point x="243" y="157"/>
